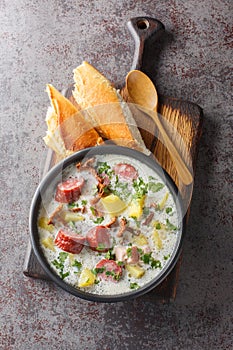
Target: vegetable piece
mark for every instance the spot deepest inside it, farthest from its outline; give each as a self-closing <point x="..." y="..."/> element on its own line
<point x="71" y="216"/>
<point x="140" y="240"/>
<point x="163" y="201"/>
<point x="157" y="240"/>
<point x="113" y="204"/>
<point x="108" y="270"/>
<point x="43" y="223"/>
<point x="48" y="243"/>
<point x="86" y="279"/>
<point x="135" y="271"/>
<point x="136" y="207"/>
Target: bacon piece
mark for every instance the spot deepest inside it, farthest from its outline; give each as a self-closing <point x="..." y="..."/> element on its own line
<point x="55" y="216"/>
<point x="123" y="223"/>
<point x="148" y="219"/>
<point x="113" y="220"/>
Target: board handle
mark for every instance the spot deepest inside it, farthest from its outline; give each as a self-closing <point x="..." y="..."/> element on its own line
<point x="145" y="30"/>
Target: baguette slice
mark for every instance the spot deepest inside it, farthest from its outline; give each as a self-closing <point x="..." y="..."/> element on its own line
<point x="107" y="111"/>
<point x="75" y="132"/>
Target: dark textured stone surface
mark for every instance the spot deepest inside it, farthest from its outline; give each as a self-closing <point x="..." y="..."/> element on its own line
<point x="42" y="41"/>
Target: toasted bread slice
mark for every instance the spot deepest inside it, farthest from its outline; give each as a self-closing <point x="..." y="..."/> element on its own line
<point x="75" y="131"/>
<point x="107" y="111"/>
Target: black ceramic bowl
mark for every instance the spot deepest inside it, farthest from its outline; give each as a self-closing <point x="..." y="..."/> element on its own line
<point x="48" y="184"/>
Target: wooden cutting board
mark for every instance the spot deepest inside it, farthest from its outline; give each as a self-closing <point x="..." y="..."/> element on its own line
<point x="184" y="117"/>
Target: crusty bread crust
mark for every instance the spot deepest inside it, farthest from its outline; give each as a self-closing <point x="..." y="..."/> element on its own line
<point x="95" y="93"/>
<point x="75" y="131"/>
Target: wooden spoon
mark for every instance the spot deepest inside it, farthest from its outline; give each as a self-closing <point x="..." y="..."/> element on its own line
<point x="140" y="90"/>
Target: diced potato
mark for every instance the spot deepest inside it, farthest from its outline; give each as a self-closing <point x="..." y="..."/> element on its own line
<point x="157" y="240"/>
<point x="71" y="216"/>
<point x="86" y="279"/>
<point x="163" y="201"/>
<point x="43" y="223"/>
<point x="48" y="243"/>
<point x="135" y="271"/>
<point x="140" y="240"/>
<point x="136" y="207"/>
<point x="113" y="204"/>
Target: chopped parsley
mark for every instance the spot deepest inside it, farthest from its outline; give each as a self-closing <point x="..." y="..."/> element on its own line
<point x="77" y="264"/>
<point x="140" y="187"/>
<point x="84" y="202"/>
<point x="133" y="285"/>
<point x="166" y="257"/>
<point x="59" y="264"/>
<point x="170" y="226"/>
<point x="155" y="186"/>
<point x="168" y="210"/>
<point x="103" y="167"/>
<point x="99" y="220"/>
<point x="72" y="205"/>
<point x="97" y="270"/>
<point x="148" y="259"/>
<point x="109" y="255"/>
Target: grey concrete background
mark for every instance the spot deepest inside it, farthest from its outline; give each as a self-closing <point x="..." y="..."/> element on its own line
<point x="42" y="41"/>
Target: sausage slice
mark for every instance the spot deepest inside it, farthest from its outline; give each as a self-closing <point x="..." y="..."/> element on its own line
<point x="69" y="190"/>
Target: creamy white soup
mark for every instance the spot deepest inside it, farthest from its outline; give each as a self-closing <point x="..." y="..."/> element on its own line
<point x="110" y="226"/>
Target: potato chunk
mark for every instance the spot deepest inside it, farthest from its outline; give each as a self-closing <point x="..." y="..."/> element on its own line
<point x="43" y="223"/>
<point x="157" y="240"/>
<point x="48" y="243"/>
<point x="140" y="240"/>
<point x="135" y="271"/>
<point x="86" y="279"/>
<point x="136" y="207"/>
<point x="113" y="204"/>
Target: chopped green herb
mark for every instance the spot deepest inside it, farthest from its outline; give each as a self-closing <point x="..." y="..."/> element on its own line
<point x="155" y="186"/>
<point x="155" y="263"/>
<point x="148" y="259"/>
<point x="129" y="252"/>
<point x="166" y="257"/>
<point x="120" y="263"/>
<point x="59" y="264"/>
<point x="109" y="255"/>
<point x="140" y="187"/>
<point x="168" y="210"/>
<point x="146" y="210"/>
<point x="133" y="285"/>
<point x="84" y="202"/>
<point x="77" y="264"/>
<point x="170" y="226"/>
<point x="103" y="167"/>
<point x="99" y="220"/>
<point x="101" y="246"/>
<point x="97" y="270"/>
<point x="93" y="210"/>
<point x="72" y="205"/>
<point x="158" y="226"/>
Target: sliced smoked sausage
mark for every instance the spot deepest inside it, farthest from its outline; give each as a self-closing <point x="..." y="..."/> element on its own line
<point x="69" y="242"/>
<point x="69" y="190"/>
<point x="99" y="239"/>
<point x="126" y="171"/>
<point x="108" y="270"/>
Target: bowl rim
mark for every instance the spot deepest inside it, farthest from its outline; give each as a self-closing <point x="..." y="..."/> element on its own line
<point x="77" y="157"/>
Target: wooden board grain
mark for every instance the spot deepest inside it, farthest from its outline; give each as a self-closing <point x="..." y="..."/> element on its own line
<point x="186" y="118"/>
